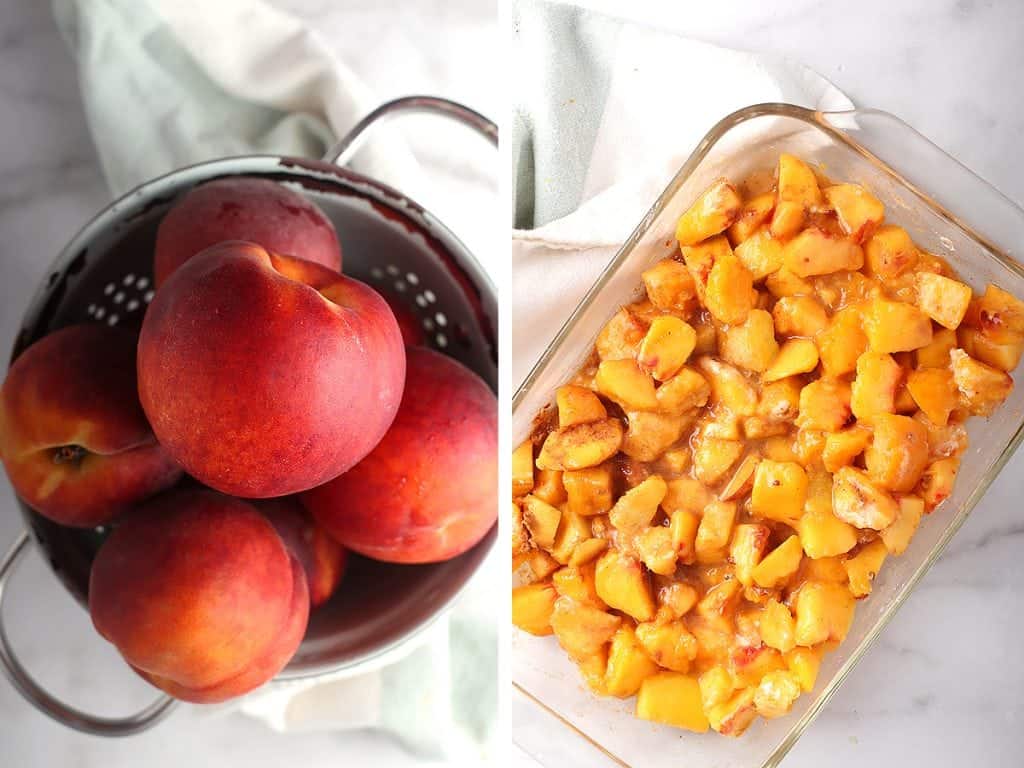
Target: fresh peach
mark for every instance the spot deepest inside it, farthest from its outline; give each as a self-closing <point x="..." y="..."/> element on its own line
<point x="265" y="375"/>
<point x="322" y="558"/>
<point x="257" y="210"/>
<point x="428" y="491"/>
<point x="200" y="595"/>
<point x="73" y="437"/>
<point x="408" y="323"/>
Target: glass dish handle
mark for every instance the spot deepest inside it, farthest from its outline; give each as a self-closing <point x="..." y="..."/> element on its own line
<point x="46" y="703"/>
<point x="994" y="219"/>
<point x="343" y="151"/>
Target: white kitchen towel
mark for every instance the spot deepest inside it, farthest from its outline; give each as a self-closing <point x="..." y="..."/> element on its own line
<point x="605" y="113"/>
<point x="167" y="83"/>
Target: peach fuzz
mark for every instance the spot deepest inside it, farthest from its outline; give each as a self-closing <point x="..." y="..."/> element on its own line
<point x="257" y="210"/>
<point x="200" y="595"/>
<point x="322" y="558"/>
<point x="73" y="437"/>
<point x="428" y="491"/>
<point x="264" y="375"/>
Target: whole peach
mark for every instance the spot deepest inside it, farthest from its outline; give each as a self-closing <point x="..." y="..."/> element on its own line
<point x="322" y="558"/>
<point x="73" y="437"/>
<point x="428" y="491"/>
<point x="200" y="595"/>
<point x="264" y="375"/>
<point x="258" y="210"/>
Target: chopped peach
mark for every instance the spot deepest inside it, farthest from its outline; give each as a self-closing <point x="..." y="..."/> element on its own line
<point x="666" y="347"/>
<point x="628" y="664"/>
<point x="742" y="479"/>
<point x="785" y="283"/>
<point x="943" y="299"/>
<point x="799" y="316"/>
<point x="581" y="629"/>
<point x="650" y="434"/>
<point x="1003" y="353"/>
<point x="864" y="566"/>
<point x="898" y="452"/>
<point x="587" y="551"/>
<point x="890" y="252"/>
<point x="522" y="469"/>
<point x="670" y="286"/>
<point x="713" y="458"/>
<point x="749" y="542"/>
<point x="777" y="626"/>
<point x="804" y="663"/>
<point x="936" y="353"/>
<point x="578" y="583"/>
<point x="751" y="345"/>
<point x="672" y="698"/>
<point x="532" y="606"/>
<point x="824" y="612"/>
<point x="814" y="252"/>
<point x="937" y="482"/>
<point x="542" y="565"/>
<point x="683" y="526"/>
<point x="780" y="401"/>
<point x="873" y="390"/>
<point x="679" y="597"/>
<point x="997" y="313"/>
<point x="625" y="382"/>
<point x="670" y="644"/>
<point x="716" y="686"/>
<point x="761" y="254"/>
<point x="636" y="508"/>
<point x="859" y="212"/>
<point x="589" y="491"/>
<point x="734" y="716"/>
<point x="686" y="493"/>
<point x="842" y="342"/>
<point x="654" y="546"/>
<point x="755" y="212"/>
<point x="842" y="447"/>
<point x="824" y="405"/>
<point x="683" y="392"/>
<point x="729" y="295"/>
<point x="857" y="500"/>
<point x="897" y="535"/>
<point x="578" y="405"/>
<point x="573" y="530"/>
<point x="780" y="489"/>
<point x="717" y="207"/>
<point x="581" y="446"/>
<point x="787" y="219"/>
<point x="729" y="388"/>
<point x="549" y="486"/>
<point x="623" y="585"/>
<point x="982" y="387"/>
<point x="894" y="326"/>
<point x="776" y="693"/>
<point x="541" y="520"/>
<point x="620" y="338"/>
<point x="934" y="393"/>
<point x="715" y="530"/>
<point x="593" y="669"/>
<point x="795" y="357"/>
<point x="797" y="182"/>
<point x="778" y="565"/>
<point x="822" y="534"/>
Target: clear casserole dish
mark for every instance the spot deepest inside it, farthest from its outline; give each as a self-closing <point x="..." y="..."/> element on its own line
<point x="947" y="210"/>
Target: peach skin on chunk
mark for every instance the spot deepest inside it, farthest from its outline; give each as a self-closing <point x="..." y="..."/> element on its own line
<point x="199" y="595"/>
<point x="73" y="437"/>
<point x="428" y="491"/>
<point x="265" y="375"/>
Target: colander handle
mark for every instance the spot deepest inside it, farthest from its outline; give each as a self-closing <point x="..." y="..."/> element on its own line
<point x="342" y="152"/>
<point x="34" y="694"/>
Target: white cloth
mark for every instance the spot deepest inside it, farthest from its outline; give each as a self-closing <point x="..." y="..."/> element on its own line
<point x="605" y="113"/>
<point x="168" y="83"/>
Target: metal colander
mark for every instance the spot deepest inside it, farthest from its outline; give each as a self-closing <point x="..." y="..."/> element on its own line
<point x="105" y="275"/>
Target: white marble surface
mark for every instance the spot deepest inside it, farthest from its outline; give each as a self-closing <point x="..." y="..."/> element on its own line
<point x="49" y="186"/>
<point x="940" y="687"/>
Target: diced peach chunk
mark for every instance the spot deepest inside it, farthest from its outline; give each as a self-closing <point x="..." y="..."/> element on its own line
<point x="716" y="686"/>
<point x="541" y="520"/>
<point x="755" y="212"/>
<point x="573" y="530"/>
<point x="717" y="207"/>
<point x="761" y="254"/>
<point x="982" y="387"/>
<point x="582" y="629"/>
<point x="1003" y="353"/>
<point x="776" y="693"/>
<point x="628" y="664"/>
<point x="587" y="550"/>
<point x="799" y="316"/>
<point x="578" y="582"/>
<point x="635" y="509"/>
<point x="797" y="182"/>
<point x="859" y="212"/>
<point x="777" y="626"/>
<point x="713" y="458"/>
<point x="897" y="536"/>
<point x="589" y="491"/>
<point x="578" y="405"/>
<point x="842" y="447"/>
<point x="729" y="295"/>
<point x="627" y="384"/>
<point x="715" y="530"/>
<point x="864" y="566"/>
<point x="997" y="313"/>
<point x="581" y="446"/>
<point x="686" y="493"/>
<point x="670" y="644"/>
<point x="751" y="344"/>
<point x="898" y="452"/>
<point x="522" y="469"/>
<point x="943" y="299"/>
<point x="670" y="286"/>
<point x="934" y="393"/>
<point x="814" y="252"/>
<point x="822" y="534"/>
<point x="749" y="542"/>
<point x="824" y="612"/>
<point x="673" y="699"/>
<point x="683" y="392"/>
<point x="860" y="502"/>
<point x="936" y="353"/>
<point x="650" y="434"/>
<point x="778" y="565"/>
<point x="654" y="546"/>
<point x="780" y="489"/>
<point x="683" y="525"/>
<point x="804" y="663"/>
<point x="666" y="347"/>
<point x="894" y="326"/>
<point x="742" y="479"/>
<point x="873" y="390"/>
<point x="623" y="585"/>
<point x="795" y="357"/>
<point x="532" y="606"/>
<point x="842" y="342"/>
<point x="621" y="336"/>
<point x="679" y="597"/>
<point x="733" y="717"/>
<point x="890" y="252"/>
<point x="824" y="405"/>
<point x="937" y="482"/>
<point x="787" y="219"/>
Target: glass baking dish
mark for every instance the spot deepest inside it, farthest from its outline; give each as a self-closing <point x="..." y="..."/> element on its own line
<point x="947" y="210"/>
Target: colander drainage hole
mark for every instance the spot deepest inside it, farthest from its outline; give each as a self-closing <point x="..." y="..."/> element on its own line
<point x="148" y="297"/>
<point x="441" y="319"/>
<point x="429" y="296"/>
<point x="142" y="283"/>
<point x="132" y="305"/>
<point x="119" y="297"/>
<point x="128" y="279"/>
<point x="112" y="320"/>
<point x="442" y="340"/>
<point x="392" y="270"/>
<point x="400" y="286"/>
<point x="421" y="300"/>
<point x="413" y="278"/>
<point x="99" y="313"/>
<point x="108" y="289"/>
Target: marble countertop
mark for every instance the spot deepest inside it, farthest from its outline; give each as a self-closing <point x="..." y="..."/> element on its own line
<point x="939" y="687"/>
<point x="50" y="185"/>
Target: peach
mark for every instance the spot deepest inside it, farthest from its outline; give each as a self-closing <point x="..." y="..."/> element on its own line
<point x="257" y="210"/>
<point x="265" y="375"/>
<point x="408" y="323"/>
<point x="199" y="595"/>
<point x="428" y="492"/>
<point x="322" y="558"/>
<point x="73" y="437"/>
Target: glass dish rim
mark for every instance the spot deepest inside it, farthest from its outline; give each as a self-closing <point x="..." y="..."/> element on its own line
<point x="819" y="120"/>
